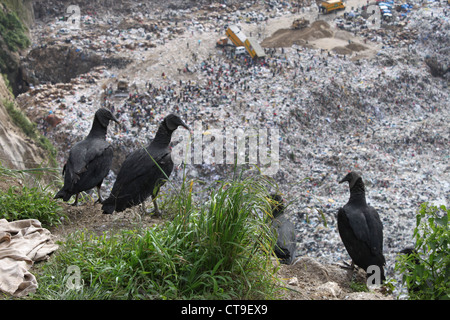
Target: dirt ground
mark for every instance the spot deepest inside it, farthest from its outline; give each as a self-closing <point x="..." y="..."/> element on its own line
<point x="307" y="279"/>
<point x="320" y="35"/>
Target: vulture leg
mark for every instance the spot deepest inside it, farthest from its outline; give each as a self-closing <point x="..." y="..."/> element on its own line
<point x="76" y="200"/>
<point x="349" y="267"/>
<point x="142" y="208"/>
<point x="346" y="265"/>
<point x="156" y="212"/>
<point x="100" y="199"/>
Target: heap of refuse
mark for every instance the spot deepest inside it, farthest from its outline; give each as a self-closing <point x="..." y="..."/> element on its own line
<point x="383" y="116"/>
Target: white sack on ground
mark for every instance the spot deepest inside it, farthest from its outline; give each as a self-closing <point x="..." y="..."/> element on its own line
<point x="22" y="243"/>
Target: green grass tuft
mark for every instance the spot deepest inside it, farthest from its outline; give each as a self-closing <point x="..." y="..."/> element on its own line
<point x="30" y="203"/>
<point x="219" y="249"/>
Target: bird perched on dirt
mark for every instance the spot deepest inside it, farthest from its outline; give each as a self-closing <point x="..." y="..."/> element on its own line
<point x="360" y="227"/>
<point x="284" y="229"/>
<point x="89" y="160"/>
<point x="144" y="171"/>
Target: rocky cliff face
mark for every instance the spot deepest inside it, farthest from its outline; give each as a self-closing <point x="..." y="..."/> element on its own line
<point x="16" y="19"/>
<point x="16" y="150"/>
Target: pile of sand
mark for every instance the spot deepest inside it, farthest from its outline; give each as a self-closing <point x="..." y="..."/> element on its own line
<point x="287" y="37"/>
<point x="311" y="37"/>
<point x="356" y="47"/>
<point x="349" y="49"/>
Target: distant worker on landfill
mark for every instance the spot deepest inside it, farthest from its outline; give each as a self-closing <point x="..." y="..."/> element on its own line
<point x="360" y="227"/>
<point x="89" y="160"/>
<point x="144" y="171"/>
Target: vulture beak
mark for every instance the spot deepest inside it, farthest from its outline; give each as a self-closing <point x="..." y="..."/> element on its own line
<point x="121" y="125"/>
<point x="351" y="177"/>
<point x="343" y="180"/>
<point x="348" y="178"/>
<point x="184" y="125"/>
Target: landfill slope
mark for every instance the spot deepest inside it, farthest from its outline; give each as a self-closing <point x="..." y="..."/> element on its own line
<point x="382" y="113"/>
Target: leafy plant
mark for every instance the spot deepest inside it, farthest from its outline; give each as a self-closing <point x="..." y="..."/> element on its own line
<point x="426" y="267"/>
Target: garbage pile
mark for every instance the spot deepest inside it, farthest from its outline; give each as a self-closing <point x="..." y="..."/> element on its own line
<point x="383" y="116"/>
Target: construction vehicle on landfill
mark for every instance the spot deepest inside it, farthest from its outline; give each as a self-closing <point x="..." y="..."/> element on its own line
<point x="236" y="36"/>
<point x="300" y="23"/>
<point x="122" y="89"/>
<point x="122" y="85"/>
<point x="222" y="42"/>
<point x="240" y="40"/>
<point x="331" y="5"/>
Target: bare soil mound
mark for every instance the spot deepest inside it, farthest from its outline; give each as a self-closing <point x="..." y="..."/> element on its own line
<point x="287" y="37"/>
<point x="341" y="50"/>
<point x="349" y="49"/>
<point x="356" y="47"/>
<point x="310" y="37"/>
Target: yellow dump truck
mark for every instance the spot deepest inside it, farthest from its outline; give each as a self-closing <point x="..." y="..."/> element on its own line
<point x="253" y="48"/>
<point x="241" y="41"/>
<point x="236" y="36"/>
<point x="331" y="5"/>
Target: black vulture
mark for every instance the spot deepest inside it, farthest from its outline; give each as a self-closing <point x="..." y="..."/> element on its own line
<point x="283" y="228"/>
<point x="89" y="160"/>
<point x="360" y="227"/>
<point x="144" y="171"/>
